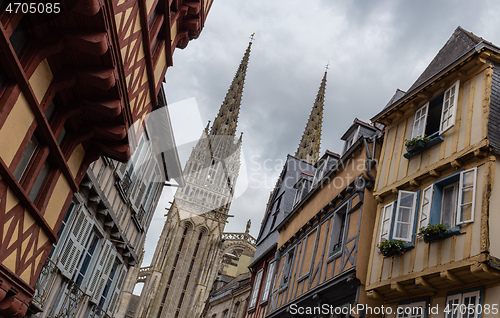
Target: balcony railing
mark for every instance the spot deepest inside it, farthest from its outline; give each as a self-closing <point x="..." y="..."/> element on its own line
<point x="70" y="299"/>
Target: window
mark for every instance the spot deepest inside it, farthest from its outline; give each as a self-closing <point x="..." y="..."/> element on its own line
<point x="40" y="181"/>
<point x="453" y="199"/>
<point x="256" y="287"/>
<point x="419" y="122"/>
<point x="19" y="38"/>
<point x="26" y="158"/>
<point x="320" y="172"/>
<point x="287" y="268"/>
<point x="350" y="141"/>
<point x="412" y="310"/>
<point x="385" y="225"/>
<point x="426" y="206"/>
<point x="269" y="279"/>
<point x="438" y="115"/>
<point x="405" y="214"/>
<point x="301" y="188"/>
<point x="456" y="303"/>
<point x="466" y="196"/>
<point x="338" y="229"/>
<point x="449" y="205"/>
<point x="398" y="218"/>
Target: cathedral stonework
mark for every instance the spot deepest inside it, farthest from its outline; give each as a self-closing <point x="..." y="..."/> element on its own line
<point x="189" y="253"/>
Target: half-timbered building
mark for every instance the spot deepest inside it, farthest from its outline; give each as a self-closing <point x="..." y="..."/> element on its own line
<point x="322" y="253"/>
<point x="105" y="227"/>
<point x="435" y="185"/>
<point x="281" y="201"/>
<point x="76" y="81"/>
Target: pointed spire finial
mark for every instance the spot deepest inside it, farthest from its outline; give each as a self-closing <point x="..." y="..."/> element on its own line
<point x="327" y="67"/>
<point x="252" y="37"/>
<point x="311" y="138"/>
<point x="227" y="119"/>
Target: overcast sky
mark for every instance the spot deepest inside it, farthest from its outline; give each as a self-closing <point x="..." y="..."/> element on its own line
<point x="373" y="48"/>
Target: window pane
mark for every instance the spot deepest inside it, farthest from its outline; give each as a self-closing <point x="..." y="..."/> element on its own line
<point x="40" y="181"/>
<point x="448" y="207"/>
<point x="19" y="38"/>
<point x="25" y="159"/>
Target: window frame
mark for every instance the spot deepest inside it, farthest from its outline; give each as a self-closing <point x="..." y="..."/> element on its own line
<point x="320" y="173"/>
<point x="384" y="209"/>
<point x="458" y="219"/>
<point x="452" y="117"/>
<point x="335" y="227"/>
<point x="424" y="205"/>
<point x="460" y="297"/>
<point x="300" y="192"/>
<point x="255" y="289"/>
<point x="412" y="216"/>
<point x="422" y="121"/>
<point x="268" y="282"/>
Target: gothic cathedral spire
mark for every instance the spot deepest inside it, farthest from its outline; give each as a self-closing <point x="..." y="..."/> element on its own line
<point x="188" y="255"/>
<point x="309" y="145"/>
<point x="227" y="118"/>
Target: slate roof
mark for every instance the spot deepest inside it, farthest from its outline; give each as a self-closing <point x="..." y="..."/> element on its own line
<point x="458" y="45"/>
<point x="460" y="42"/>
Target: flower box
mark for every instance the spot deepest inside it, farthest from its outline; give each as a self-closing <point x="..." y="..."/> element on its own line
<point x="391" y="247"/>
<point x="434" y="232"/>
<point x="419" y="144"/>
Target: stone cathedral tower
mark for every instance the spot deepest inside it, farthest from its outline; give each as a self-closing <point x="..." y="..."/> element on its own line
<point x="188" y="253"/>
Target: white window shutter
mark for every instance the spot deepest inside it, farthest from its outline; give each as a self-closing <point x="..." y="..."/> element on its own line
<point x="116" y="289"/>
<point x="75" y="244"/>
<point x="101" y="281"/>
<point x="449" y="110"/>
<point x="466" y="196"/>
<point x="425" y="208"/>
<point x="419" y="121"/>
<point x="405" y="215"/>
<point x="385" y="223"/>
<point x="94" y="279"/>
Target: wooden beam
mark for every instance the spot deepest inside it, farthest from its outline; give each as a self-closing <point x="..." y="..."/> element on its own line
<point x="398" y="287"/>
<point x="484" y="271"/>
<point x="373" y="294"/>
<point x="456" y="164"/>
<point x="451" y="277"/>
<point x="434" y="173"/>
<point x="421" y="282"/>
<point x="414" y="183"/>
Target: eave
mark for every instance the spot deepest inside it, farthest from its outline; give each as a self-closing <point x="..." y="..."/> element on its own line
<point x="418" y="92"/>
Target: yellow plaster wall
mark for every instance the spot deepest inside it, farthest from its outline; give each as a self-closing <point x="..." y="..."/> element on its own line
<point x="56" y="201"/>
<point x="14" y="129"/>
<point x="173" y="32"/>
<point x="426" y="255"/>
<point x="41" y="79"/>
<point x="160" y="65"/>
<point x="494" y="219"/>
<point x="76" y="159"/>
<point x="321" y="198"/>
<point x="465" y="132"/>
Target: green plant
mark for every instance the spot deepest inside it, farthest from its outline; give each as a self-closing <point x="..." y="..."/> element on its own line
<point x="433" y="229"/>
<point x="414" y="141"/>
<point x="391" y="247"/>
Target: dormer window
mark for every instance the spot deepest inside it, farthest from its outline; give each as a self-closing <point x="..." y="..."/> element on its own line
<point x="301" y="189"/>
<point x="320" y="172"/>
<point x="438" y="115"/>
<point x="352" y="139"/>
